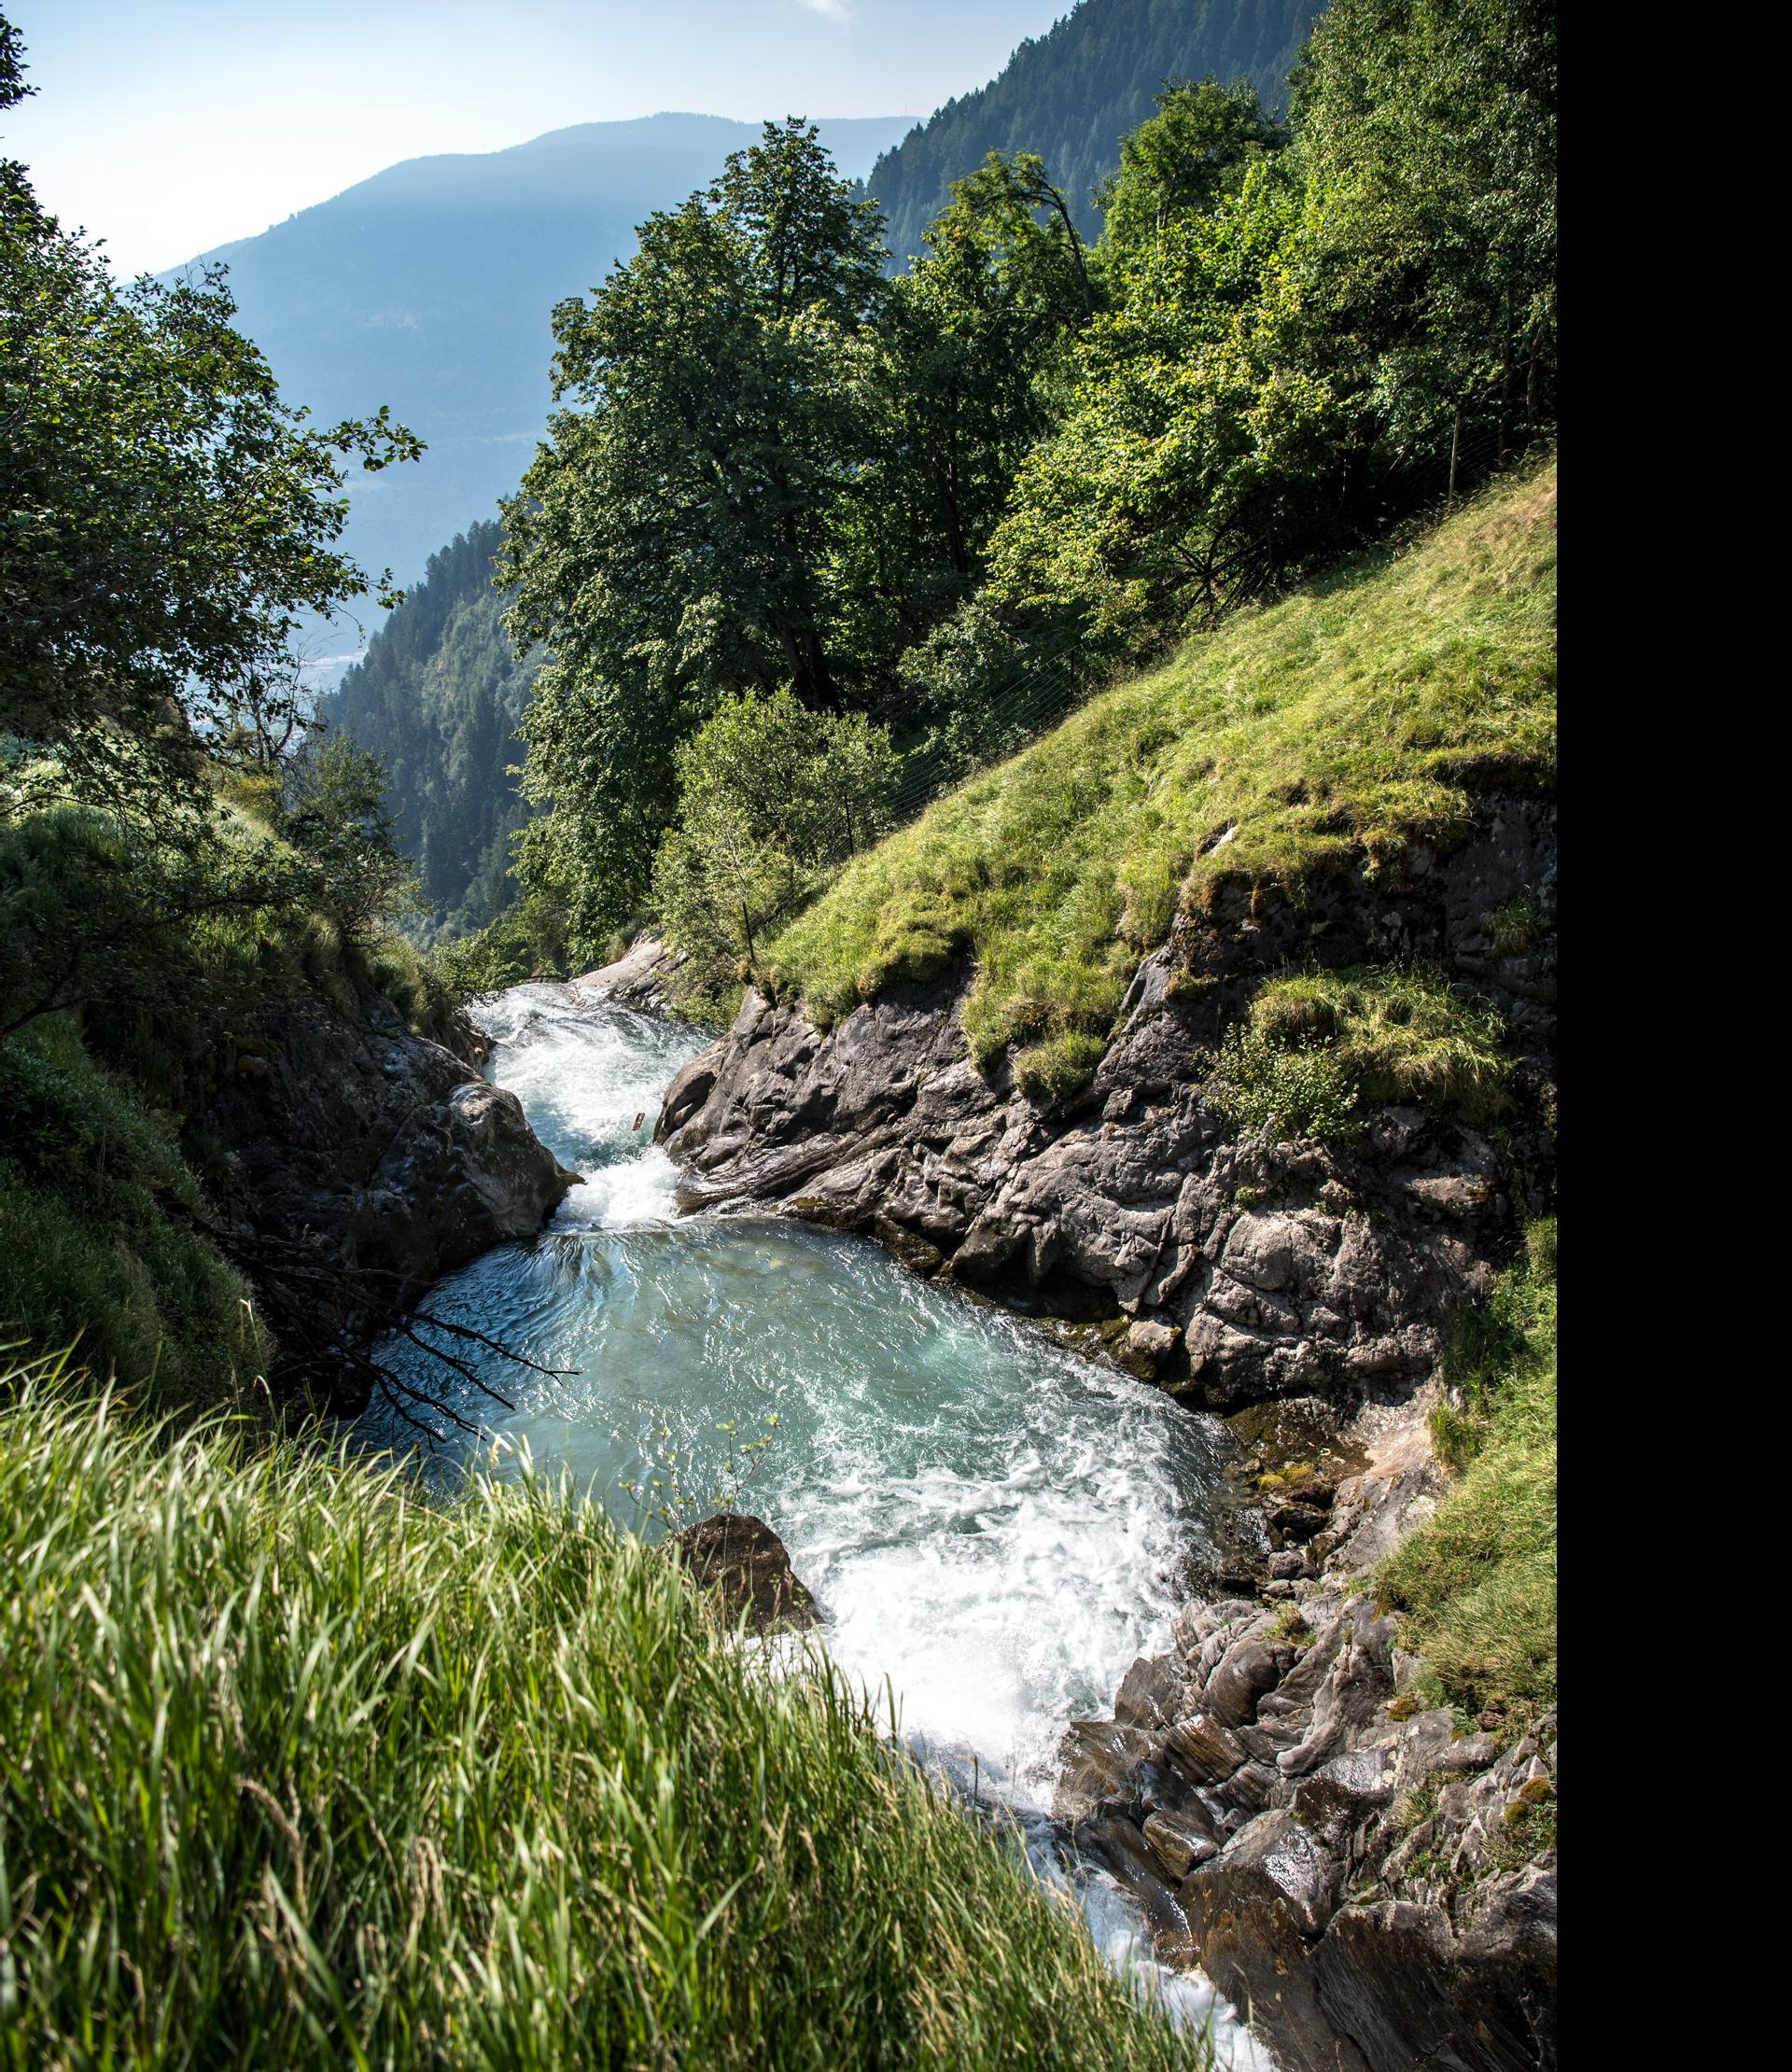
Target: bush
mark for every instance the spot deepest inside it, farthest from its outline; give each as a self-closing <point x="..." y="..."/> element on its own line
<point x="1256" y="1082"/>
<point x="771" y="798"/>
<point x="1060" y="1066"/>
<point x="296" y="1769"/>
<point x="1320" y="1049"/>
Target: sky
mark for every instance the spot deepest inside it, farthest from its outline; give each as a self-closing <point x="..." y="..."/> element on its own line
<point x="167" y="127"/>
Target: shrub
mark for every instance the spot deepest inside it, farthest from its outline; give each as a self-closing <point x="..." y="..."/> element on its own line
<point x="1060" y="1066"/>
<point x="1318" y="1049"/>
<point x="1253" y="1082"/>
<point x="771" y="798"/>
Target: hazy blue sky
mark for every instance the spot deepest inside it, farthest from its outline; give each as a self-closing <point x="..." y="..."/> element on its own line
<point x="169" y="126"/>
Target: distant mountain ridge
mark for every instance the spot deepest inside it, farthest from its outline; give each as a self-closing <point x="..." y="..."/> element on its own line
<point x="1072" y="94"/>
<point x="429" y="286"/>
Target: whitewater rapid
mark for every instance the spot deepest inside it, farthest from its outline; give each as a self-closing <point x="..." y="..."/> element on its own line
<point x="994" y="1528"/>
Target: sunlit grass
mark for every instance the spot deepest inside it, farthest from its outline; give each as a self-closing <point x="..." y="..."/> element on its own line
<point x="297" y="1769"/>
<point x="1476" y="1583"/>
<point x="1341" y="726"/>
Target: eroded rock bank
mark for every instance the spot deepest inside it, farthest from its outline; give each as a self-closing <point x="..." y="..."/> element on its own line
<point x="1374" y="1880"/>
<point x="1232" y="1268"/>
<point x="359" y="1162"/>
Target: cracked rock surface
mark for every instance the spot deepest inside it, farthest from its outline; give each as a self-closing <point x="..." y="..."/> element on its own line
<point x="1244" y="1269"/>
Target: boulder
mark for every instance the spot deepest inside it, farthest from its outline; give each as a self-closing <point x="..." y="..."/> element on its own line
<point x="741" y="1564"/>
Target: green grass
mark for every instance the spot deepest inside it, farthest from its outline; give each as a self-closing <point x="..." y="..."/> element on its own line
<point x="298" y="1770"/>
<point x="1317" y="1048"/>
<point x="96" y="1241"/>
<point x="1476" y="1583"/>
<point x="1343" y="725"/>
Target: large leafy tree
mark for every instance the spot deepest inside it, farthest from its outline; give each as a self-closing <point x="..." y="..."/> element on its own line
<point x="671" y="542"/>
<point x="1179" y="164"/>
<point x="1192" y="465"/>
<point x="1298" y="341"/>
<point x="1429" y="128"/>
<point x="164" y="518"/>
<point x="165" y="521"/>
<point x="962" y="378"/>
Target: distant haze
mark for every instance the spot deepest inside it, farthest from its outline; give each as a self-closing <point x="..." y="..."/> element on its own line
<point x="168" y="129"/>
<point x="430" y="286"/>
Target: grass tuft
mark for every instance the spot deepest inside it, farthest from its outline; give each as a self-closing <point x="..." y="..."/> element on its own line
<point x="297" y="1769"/>
<point x="1318" y="1049"/>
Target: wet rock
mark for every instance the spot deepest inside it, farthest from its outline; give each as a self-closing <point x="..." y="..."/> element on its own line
<point x="1097" y="1761"/>
<point x="1253" y="1912"/>
<point x="1122" y="1851"/>
<point x="1294" y="1521"/>
<point x="1152" y="1693"/>
<point x="1181" y="1840"/>
<point x="466" y="1173"/>
<point x="1349" y="1875"/>
<point x="1244" y="1673"/>
<point x="1204" y="1749"/>
<point x="740" y="1562"/>
<point x="1151" y="1344"/>
<point x="1408" y="1989"/>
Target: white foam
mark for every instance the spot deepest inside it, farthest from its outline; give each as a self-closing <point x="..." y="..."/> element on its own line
<point x="633" y="1194"/>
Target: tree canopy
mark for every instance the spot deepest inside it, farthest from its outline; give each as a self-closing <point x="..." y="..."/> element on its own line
<point x="954" y="499"/>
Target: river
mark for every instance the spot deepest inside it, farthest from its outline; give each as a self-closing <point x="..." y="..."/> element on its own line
<point x="994" y="1527"/>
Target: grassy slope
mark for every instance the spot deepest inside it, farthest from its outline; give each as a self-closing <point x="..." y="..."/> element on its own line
<point x="297" y="1771"/>
<point x="100" y="1162"/>
<point x="1344" y="720"/>
<point x="1478" y="1581"/>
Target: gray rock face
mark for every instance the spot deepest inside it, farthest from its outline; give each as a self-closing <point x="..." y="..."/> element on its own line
<point x="1249" y="1269"/>
<point x="1377" y="1888"/>
<point x="364" y="1163"/>
<point x="641" y="978"/>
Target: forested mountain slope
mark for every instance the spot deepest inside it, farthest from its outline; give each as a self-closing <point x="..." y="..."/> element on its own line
<point x="428" y="288"/>
<point x="438" y="697"/>
<point x="1072" y="94"/>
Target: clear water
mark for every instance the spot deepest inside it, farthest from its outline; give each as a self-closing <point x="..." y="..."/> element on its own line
<point x="993" y="1527"/>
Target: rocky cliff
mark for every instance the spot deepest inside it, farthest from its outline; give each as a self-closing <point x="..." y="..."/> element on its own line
<point x="1242" y="1267"/>
<point x="362" y="1161"/>
<point x="1374" y="1879"/>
